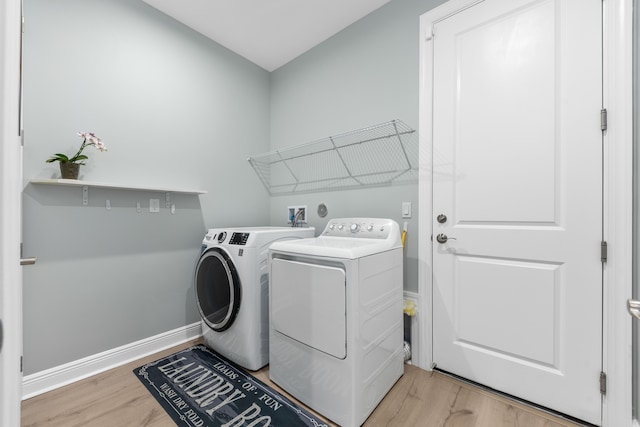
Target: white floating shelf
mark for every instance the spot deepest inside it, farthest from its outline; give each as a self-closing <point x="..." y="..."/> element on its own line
<point x="81" y="183"/>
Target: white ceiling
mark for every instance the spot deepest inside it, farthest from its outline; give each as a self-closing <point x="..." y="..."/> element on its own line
<point x="269" y="33"/>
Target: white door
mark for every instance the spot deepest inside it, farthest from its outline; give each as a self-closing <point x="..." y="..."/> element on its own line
<point x="10" y="191"/>
<point x="517" y="148"/>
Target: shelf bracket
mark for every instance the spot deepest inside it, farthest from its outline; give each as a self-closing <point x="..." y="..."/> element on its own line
<point x="343" y="162"/>
<point x="284" y="162"/>
<point x="404" y="151"/>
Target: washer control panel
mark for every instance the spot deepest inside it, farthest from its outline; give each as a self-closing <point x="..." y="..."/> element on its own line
<point x="367" y="228"/>
<point x="239" y="239"/>
<point x="221" y="236"/>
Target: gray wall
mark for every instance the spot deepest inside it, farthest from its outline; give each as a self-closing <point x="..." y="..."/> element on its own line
<point x="178" y="110"/>
<point x="365" y="75"/>
<point x="174" y="110"/>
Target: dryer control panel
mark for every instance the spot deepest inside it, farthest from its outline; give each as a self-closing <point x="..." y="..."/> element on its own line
<point x="367" y="228"/>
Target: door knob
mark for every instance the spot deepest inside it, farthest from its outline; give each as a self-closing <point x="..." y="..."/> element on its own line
<point x="442" y="218"/>
<point x="634" y="308"/>
<point x="443" y="238"/>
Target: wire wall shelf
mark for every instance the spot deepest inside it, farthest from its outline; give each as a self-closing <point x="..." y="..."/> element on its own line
<point x="378" y="155"/>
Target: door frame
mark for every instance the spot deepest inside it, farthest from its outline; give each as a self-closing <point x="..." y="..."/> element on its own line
<point x="10" y="217"/>
<point x="618" y="201"/>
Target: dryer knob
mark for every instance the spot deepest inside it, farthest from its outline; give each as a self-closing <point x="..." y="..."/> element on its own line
<point x="341" y="226"/>
<point x="355" y="228"/>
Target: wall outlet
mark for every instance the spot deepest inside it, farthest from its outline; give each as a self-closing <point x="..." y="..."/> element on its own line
<point x="297" y="214"/>
<point x="154" y="205"/>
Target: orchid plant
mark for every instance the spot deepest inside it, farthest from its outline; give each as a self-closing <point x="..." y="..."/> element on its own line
<point x="89" y="139"/>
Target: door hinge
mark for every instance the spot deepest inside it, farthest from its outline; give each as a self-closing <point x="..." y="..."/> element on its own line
<point x="603" y="251"/>
<point x="603" y="119"/>
<point x="431" y="34"/>
<point x="603" y="383"/>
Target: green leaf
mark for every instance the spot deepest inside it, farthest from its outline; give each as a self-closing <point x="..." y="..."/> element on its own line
<point x="58" y="157"/>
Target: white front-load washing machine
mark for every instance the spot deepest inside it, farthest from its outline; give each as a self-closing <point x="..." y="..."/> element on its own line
<point x="232" y="283"/>
<point x="336" y="331"/>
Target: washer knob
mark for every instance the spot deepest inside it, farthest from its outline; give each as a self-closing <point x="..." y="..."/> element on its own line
<point x="369" y="227"/>
<point x="341" y="226"/>
<point x="222" y="236"/>
<point x="332" y="226"/>
<point x="355" y="228"/>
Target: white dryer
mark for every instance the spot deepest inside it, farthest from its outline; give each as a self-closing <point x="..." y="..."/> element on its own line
<point x="336" y="331"/>
<point x="232" y="290"/>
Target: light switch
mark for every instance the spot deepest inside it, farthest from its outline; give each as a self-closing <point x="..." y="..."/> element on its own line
<point x="406" y="209"/>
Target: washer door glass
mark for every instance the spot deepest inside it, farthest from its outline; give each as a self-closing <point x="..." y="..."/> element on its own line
<point x="217" y="289"/>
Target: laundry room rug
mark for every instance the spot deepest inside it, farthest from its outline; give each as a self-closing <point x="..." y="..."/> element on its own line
<point x="199" y="388"/>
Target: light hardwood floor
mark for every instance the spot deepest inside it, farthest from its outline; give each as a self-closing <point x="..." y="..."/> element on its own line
<point x="427" y="399"/>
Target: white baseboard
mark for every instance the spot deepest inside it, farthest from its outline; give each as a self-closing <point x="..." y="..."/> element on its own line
<point x="58" y="376"/>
